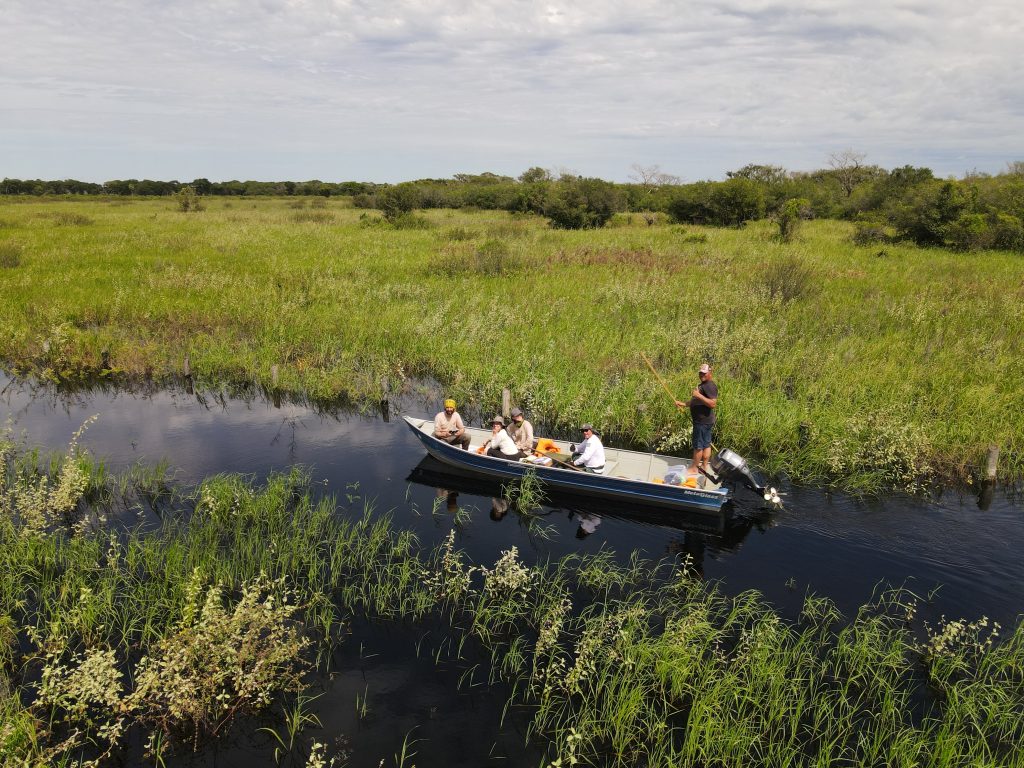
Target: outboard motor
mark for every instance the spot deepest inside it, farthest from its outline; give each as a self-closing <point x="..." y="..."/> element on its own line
<point x="729" y="465"/>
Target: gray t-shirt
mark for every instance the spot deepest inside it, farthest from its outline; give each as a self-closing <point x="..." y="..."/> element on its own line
<point x="701" y="413"/>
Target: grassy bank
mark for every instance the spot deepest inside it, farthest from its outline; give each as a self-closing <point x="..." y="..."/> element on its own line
<point x="164" y="636"/>
<point x="872" y="367"/>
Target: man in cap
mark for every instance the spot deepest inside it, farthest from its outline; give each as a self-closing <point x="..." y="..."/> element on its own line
<point x="702" y="404"/>
<point x="521" y="431"/>
<point x="588" y="455"/>
<point x="448" y="426"/>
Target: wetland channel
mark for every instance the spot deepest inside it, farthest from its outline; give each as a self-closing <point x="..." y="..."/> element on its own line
<point x="961" y="555"/>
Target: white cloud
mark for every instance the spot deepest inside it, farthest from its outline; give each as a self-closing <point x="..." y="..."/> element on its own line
<point x="388" y="91"/>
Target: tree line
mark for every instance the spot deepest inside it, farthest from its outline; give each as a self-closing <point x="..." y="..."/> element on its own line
<point x="902" y="204"/>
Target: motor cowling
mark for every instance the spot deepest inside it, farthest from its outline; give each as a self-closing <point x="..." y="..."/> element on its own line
<point x="728" y="465"/>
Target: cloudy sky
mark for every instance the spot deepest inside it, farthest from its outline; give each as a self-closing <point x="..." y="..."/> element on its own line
<point x="389" y="91"/>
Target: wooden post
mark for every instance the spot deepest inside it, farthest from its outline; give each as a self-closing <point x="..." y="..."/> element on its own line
<point x="991" y="462"/>
<point x="385" y="399"/>
<point x="273" y="376"/>
<point x="506" y="403"/>
<point x="187" y="367"/>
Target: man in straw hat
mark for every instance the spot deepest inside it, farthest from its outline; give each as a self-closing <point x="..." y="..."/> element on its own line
<point x="448" y="426"/>
<point x="702" y="404"/>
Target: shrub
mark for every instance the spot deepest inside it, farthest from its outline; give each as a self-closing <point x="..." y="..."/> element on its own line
<point x="789" y="279"/>
<point x="581" y="203"/>
<point x="870" y="232"/>
<point x="789" y="217"/>
<point x="729" y="203"/>
<point x="188" y="200"/>
<point x="10" y="255"/>
<point x="318" y="202"/>
<point x="222" y="661"/>
<point x="397" y="200"/>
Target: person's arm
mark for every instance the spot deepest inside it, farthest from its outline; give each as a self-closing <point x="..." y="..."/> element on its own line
<point x="527" y="437"/>
<point x="460" y="428"/>
<point x="710" y="402"/>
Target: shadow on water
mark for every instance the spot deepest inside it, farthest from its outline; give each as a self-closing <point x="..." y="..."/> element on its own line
<point x="960" y="548"/>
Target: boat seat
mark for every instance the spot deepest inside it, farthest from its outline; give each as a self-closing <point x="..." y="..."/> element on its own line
<point x="609" y="467"/>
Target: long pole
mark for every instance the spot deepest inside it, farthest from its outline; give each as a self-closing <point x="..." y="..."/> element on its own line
<point x="658" y="377"/>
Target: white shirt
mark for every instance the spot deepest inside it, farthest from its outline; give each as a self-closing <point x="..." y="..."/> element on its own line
<point x="504" y="443"/>
<point x="593" y="452"/>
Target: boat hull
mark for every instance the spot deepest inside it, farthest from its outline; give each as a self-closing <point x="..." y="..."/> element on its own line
<point x="569" y="481"/>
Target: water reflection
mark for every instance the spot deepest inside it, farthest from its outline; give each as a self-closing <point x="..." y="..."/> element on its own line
<point x="822" y="542"/>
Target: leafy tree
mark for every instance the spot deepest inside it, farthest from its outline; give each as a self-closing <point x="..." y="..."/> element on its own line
<point x="766" y="174"/>
<point x="534" y="175"/>
<point x="578" y="203"/>
<point x="398" y="200"/>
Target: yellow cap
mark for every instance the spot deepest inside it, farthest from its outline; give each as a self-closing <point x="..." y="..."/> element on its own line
<point x="449" y="403"/>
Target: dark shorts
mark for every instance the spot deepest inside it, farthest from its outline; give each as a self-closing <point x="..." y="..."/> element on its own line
<point x="702" y="436"/>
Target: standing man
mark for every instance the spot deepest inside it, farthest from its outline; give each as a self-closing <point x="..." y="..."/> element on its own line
<point x="702" y="406"/>
<point x="448" y="426"/>
<point x="521" y="431"/>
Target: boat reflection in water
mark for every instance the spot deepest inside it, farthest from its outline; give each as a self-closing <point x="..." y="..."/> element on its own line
<point x="701" y="533"/>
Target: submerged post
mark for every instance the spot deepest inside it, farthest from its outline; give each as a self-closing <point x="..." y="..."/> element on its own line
<point x="991" y="463"/>
<point x="385" y="398"/>
<point x="506" y="403"/>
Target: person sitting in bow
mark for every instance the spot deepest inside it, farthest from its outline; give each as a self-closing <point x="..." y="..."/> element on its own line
<point x="448" y="426"/>
<point x="500" y="444"/>
<point x="588" y="455"/>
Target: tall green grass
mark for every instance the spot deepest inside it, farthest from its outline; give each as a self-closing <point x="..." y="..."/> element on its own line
<point x="836" y="362"/>
<point x="222" y="607"/>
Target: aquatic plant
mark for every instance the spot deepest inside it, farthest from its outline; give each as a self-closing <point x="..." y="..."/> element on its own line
<point x="177" y="629"/>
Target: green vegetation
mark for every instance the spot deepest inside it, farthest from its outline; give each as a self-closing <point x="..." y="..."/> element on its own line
<point x="167" y="635"/>
<point x="873" y="367"/>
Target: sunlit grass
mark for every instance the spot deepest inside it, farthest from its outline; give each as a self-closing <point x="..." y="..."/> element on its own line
<point x="617" y="664"/>
<point x="873" y="367"/>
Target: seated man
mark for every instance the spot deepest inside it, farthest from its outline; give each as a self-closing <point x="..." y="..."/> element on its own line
<point x="500" y="444"/>
<point x="448" y="426"/>
<point x="521" y="431"/>
<point x="589" y="455"/>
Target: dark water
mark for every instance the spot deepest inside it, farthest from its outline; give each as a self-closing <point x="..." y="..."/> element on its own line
<point x="967" y="558"/>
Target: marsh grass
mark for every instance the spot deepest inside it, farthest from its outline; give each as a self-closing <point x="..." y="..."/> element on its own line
<point x="929" y="339"/>
<point x="175" y="630"/>
<point x="10" y="254"/>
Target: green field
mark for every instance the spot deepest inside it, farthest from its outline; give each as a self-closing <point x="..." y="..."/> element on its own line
<point x="869" y="367"/>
